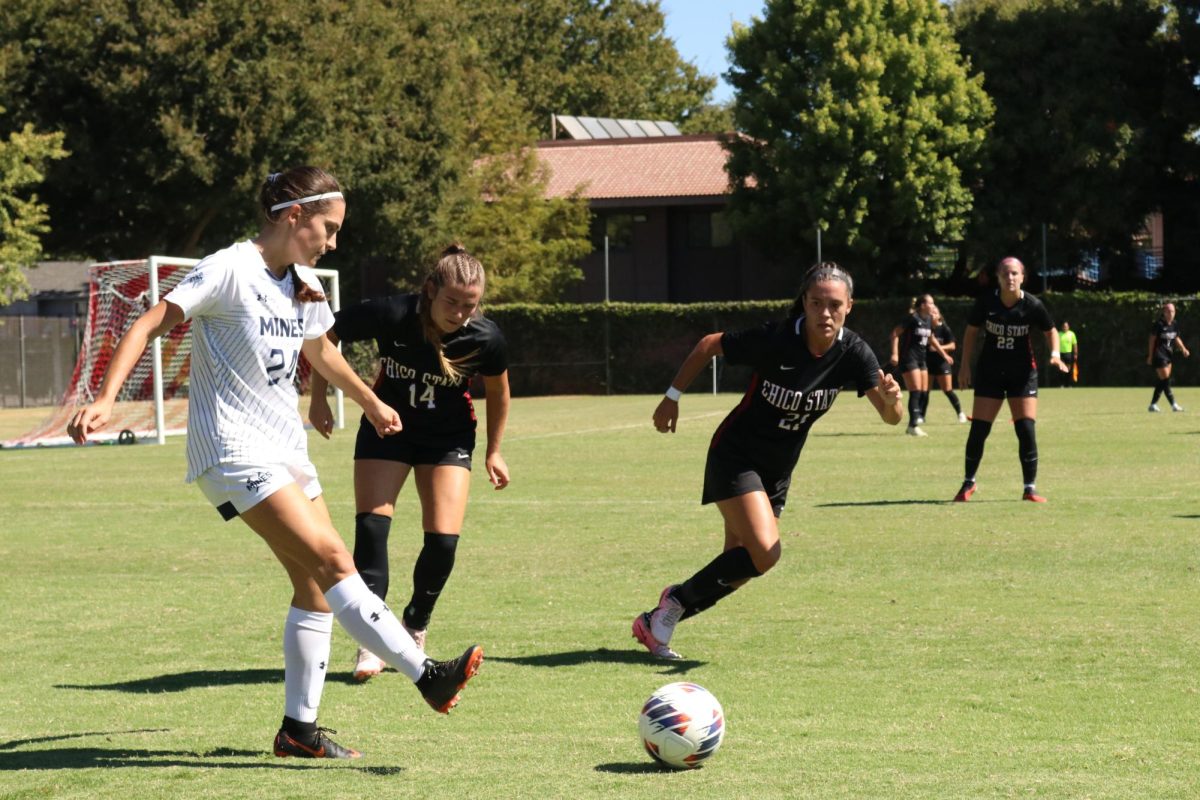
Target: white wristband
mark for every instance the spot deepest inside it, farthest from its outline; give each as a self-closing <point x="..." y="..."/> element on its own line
<point x="1055" y="354"/>
<point x="673" y="394"/>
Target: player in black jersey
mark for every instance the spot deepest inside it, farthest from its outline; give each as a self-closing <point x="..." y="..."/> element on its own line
<point x="800" y="365"/>
<point x="911" y="340"/>
<point x="940" y="366"/>
<point x="1008" y="317"/>
<point x="1164" y="338"/>
<point x="430" y="345"/>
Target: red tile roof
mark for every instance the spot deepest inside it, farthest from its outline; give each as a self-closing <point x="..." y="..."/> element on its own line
<point x="676" y="166"/>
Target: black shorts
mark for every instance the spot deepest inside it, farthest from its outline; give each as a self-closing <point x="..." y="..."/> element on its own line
<point x="1158" y="362"/>
<point x="726" y="477"/>
<point x="910" y="364"/>
<point x="1001" y="382"/>
<point x="939" y="367"/>
<point x="400" y="448"/>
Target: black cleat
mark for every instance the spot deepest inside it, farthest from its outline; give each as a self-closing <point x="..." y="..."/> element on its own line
<point x="323" y="747"/>
<point x="443" y="680"/>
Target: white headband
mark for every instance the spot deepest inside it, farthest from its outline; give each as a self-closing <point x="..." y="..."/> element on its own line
<point x="314" y="198"/>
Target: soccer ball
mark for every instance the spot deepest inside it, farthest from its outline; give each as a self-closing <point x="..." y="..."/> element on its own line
<point x="682" y="725"/>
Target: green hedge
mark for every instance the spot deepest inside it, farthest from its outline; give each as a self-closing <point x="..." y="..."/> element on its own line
<point x="561" y="349"/>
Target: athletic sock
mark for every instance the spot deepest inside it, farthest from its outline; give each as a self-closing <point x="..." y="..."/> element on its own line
<point x="924" y="404"/>
<point x="914" y="408"/>
<point x="303" y="732"/>
<point x="715" y="581"/>
<point x="370" y="550"/>
<point x="1167" y="391"/>
<point x="1158" y="388"/>
<point x="975" y="441"/>
<point x="432" y="570"/>
<point x="953" y="398"/>
<point x="373" y="625"/>
<point x="306" y="637"/>
<point x="1027" y="449"/>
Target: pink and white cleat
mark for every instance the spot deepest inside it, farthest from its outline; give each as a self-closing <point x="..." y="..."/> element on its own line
<point x="367" y="665"/>
<point x="655" y="628"/>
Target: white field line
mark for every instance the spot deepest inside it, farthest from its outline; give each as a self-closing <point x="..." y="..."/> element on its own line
<point x="630" y="426"/>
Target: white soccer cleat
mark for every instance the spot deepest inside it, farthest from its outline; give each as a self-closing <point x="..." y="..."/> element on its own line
<point x="367" y="665"/>
<point x="962" y="417"/>
<point x="913" y="430"/>
<point x="1176" y="407"/>
<point x="655" y="628"/>
<point x="1154" y="409"/>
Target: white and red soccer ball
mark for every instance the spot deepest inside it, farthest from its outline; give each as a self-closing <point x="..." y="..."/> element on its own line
<point x="682" y="725"/>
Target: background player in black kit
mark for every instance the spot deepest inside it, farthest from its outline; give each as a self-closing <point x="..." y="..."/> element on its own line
<point x="800" y="365"/>
<point x="1164" y="338"/>
<point x="911" y="340"/>
<point x="1006" y="368"/>
<point x="940" y="367"/>
<point x="430" y="345"/>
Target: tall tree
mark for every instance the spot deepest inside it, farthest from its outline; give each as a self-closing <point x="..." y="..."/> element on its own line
<point x="1082" y="135"/>
<point x="606" y="58"/>
<point x="175" y="115"/>
<point x="858" y="117"/>
<point x="23" y="217"/>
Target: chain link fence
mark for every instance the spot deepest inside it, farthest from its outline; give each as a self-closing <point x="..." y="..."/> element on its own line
<point x="37" y="356"/>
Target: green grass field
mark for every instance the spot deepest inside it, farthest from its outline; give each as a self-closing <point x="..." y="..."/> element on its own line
<point x="905" y="647"/>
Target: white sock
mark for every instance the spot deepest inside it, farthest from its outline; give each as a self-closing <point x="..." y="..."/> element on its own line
<point x="373" y="625"/>
<point x="306" y="637"/>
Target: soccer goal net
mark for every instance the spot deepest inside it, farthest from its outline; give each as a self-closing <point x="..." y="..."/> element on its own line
<point x="153" y="401"/>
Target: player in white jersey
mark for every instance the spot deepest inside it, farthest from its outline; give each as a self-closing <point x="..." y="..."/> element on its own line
<point x="254" y="312"/>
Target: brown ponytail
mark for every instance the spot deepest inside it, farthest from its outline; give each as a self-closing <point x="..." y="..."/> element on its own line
<point x="302" y="291"/>
<point x="455" y="267"/>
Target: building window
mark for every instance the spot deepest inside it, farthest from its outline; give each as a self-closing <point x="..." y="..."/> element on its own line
<point x="709" y="229"/>
<point x="617" y="227"/>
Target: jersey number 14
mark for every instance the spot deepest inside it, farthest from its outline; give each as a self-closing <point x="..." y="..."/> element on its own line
<point x="426" y="396"/>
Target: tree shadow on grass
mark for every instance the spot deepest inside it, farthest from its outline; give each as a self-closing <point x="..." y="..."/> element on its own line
<point x="602" y="655"/>
<point x="183" y="681"/>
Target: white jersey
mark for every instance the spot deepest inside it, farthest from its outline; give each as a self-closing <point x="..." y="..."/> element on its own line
<point x="247" y="329"/>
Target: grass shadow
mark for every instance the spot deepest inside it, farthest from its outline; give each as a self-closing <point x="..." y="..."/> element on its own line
<point x="884" y="503"/>
<point x="602" y="655"/>
<point x="627" y="768"/>
<point x="182" y="681"/>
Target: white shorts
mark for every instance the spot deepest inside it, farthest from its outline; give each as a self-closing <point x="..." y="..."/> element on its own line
<point x="236" y="488"/>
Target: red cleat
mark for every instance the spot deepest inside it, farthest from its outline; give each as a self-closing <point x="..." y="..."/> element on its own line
<point x="1032" y="496"/>
<point x="964" y="494"/>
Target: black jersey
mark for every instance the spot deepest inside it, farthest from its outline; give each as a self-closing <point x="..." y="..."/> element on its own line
<point x="1164" y="334"/>
<point x="914" y="339"/>
<point x="1006" y="340"/>
<point x="432" y="406"/>
<point x="789" y="391"/>
<point x="944" y="336"/>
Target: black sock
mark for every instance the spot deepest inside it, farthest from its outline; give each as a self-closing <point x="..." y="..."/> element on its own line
<point x="432" y="570"/>
<point x="370" y="551"/>
<point x="303" y="732"/>
<point x="953" y="398"/>
<point x="1027" y="449"/>
<point x="914" y="407"/>
<point x="1167" y="391"/>
<point x="1158" y="388"/>
<point x="975" y="441"/>
<point x="714" y="581"/>
<point x="924" y="403"/>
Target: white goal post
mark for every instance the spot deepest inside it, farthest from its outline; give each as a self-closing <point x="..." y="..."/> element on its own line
<point x="153" y="400"/>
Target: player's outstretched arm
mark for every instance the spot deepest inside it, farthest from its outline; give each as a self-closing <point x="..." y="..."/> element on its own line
<point x="154" y="323"/>
<point x="327" y="361"/>
<point x="666" y="415"/>
<point x="1183" y="348"/>
<point x="886" y="399"/>
<point x="319" y="412"/>
<point x="498" y="400"/>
